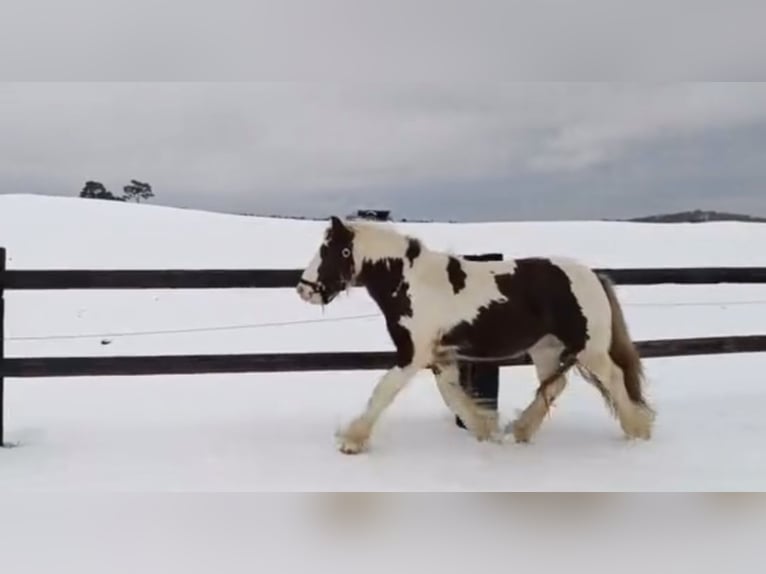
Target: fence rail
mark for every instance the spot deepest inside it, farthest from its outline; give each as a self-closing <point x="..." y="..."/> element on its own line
<point x="301" y="362"/>
<point x="65" y="279"/>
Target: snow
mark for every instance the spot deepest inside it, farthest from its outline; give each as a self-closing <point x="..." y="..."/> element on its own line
<point x="258" y="432"/>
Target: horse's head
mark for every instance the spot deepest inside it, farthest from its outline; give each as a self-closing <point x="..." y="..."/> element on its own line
<point x="332" y="268"/>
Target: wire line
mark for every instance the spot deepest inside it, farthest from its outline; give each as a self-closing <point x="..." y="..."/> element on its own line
<point x="190" y="330"/>
<point x="313" y="321"/>
<point x="697" y="304"/>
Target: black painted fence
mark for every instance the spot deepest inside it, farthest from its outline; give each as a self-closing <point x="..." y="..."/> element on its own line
<point x="329" y="361"/>
<point x="479" y="379"/>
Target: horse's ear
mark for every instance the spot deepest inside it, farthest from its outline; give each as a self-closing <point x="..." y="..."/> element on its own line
<point x="337" y="225"/>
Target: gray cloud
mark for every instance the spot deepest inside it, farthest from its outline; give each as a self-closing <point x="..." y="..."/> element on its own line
<point x="342" y="40"/>
<point x="539" y="150"/>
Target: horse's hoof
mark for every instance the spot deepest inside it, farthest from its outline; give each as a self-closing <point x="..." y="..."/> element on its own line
<point x="640" y="434"/>
<point x="493" y="435"/>
<point x="353" y="439"/>
<point x="519" y="431"/>
<point x="347" y="446"/>
<point x="497" y="437"/>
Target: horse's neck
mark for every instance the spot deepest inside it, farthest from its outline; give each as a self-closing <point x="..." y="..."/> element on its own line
<point x="384" y="278"/>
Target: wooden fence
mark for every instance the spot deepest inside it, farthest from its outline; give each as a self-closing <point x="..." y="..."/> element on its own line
<point x="41" y="280"/>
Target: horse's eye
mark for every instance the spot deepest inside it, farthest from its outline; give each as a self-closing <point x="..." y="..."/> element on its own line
<point x="346" y="252"/>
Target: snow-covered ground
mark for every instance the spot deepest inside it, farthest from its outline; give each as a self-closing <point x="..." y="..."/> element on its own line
<point x="275" y="432"/>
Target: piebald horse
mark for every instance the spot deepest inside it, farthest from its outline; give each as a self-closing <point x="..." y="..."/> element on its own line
<point x="440" y="309"/>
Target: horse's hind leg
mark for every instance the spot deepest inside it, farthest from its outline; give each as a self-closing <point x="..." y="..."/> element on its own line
<point x="480" y="421"/>
<point x="547" y="363"/>
<point x="600" y="370"/>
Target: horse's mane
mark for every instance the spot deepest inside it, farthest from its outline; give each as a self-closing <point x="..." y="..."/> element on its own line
<point x="382" y="236"/>
<point x="378" y="229"/>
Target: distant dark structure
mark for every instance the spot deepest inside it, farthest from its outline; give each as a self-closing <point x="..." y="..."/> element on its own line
<point x="372" y="214"/>
<point x="697" y="216"/>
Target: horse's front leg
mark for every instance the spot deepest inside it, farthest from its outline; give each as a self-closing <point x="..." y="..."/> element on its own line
<point x="480" y="421"/>
<point x="354" y="438"/>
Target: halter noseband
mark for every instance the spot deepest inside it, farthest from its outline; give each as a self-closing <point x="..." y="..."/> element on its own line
<point x="319" y="288"/>
<point x="314" y="286"/>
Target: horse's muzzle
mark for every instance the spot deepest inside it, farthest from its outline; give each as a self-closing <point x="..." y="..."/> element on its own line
<point x="311" y="292"/>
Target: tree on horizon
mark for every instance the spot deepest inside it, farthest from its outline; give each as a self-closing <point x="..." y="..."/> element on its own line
<point x="97" y="190"/>
<point x="137" y="191"/>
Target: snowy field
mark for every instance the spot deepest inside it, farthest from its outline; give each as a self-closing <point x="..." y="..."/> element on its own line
<point x="256" y="432"/>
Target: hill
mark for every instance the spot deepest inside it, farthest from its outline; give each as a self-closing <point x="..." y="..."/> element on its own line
<point x="697" y="216"/>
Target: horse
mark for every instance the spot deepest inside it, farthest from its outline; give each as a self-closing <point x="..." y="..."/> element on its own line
<point x="440" y="308"/>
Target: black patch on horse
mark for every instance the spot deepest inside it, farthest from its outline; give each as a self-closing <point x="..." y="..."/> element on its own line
<point x="456" y="275"/>
<point x="336" y="269"/>
<point x="413" y="250"/>
<point x="539" y="302"/>
<point x="384" y="281"/>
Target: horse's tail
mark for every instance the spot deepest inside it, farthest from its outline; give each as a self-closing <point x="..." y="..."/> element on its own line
<point x="622" y="349"/>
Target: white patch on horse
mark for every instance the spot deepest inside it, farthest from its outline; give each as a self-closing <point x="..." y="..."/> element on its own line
<point x="431" y="294"/>
<point x="595" y="307"/>
<point x="376" y="242"/>
<point x="310" y="275"/>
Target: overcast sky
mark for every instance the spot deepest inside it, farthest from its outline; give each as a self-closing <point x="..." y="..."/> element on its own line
<point x="458" y="151"/>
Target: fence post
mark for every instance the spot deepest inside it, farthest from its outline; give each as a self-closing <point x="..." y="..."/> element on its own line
<point x="2" y="349"/>
<point x="480" y="381"/>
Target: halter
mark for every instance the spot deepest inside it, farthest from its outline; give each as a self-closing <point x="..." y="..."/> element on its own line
<point x="314" y="286"/>
<point x="319" y="288"/>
